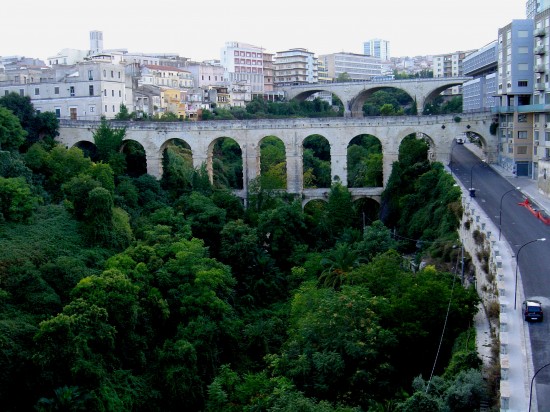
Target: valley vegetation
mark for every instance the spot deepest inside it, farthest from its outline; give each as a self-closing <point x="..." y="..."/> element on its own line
<point x="120" y="292"/>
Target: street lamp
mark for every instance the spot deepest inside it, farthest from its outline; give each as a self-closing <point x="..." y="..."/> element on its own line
<point x="500" y="211"/>
<point x="542" y="239"/>
<point x="472" y="190"/>
<point x="532" y="380"/>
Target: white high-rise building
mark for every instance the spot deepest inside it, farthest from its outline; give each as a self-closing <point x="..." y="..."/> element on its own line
<point x="295" y="66"/>
<point x="377" y="48"/>
<point x="243" y="63"/>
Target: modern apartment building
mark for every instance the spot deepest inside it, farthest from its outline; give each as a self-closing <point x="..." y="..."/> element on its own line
<point x="294" y="66"/>
<point x="377" y="48"/>
<point x="450" y="65"/>
<point x="243" y="63"/>
<point x="541" y="100"/>
<point x="479" y="93"/>
<point x="533" y="7"/>
<point x="515" y="95"/>
<point x="88" y="90"/>
<point x="358" y="67"/>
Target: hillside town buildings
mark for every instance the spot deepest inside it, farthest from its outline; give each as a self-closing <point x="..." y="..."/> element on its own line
<point x="509" y="79"/>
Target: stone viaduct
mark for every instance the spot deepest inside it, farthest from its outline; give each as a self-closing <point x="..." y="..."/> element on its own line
<point x="354" y="94"/>
<point x="439" y="131"/>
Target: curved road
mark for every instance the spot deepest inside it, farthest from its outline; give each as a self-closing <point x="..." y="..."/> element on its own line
<point x="518" y="226"/>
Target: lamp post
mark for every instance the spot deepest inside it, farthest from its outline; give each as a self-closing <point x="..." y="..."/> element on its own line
<point x="472" y="190"/>
<point x="532" y="380"/>
<point x="500" y="211"/>
<point x="542" y="239"/>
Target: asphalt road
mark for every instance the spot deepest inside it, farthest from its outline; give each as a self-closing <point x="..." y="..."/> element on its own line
<point x="518" y="226"/>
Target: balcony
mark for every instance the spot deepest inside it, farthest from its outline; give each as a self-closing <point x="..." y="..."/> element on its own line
<point x="540" y="86"/>
<point x="539" y="50"/>
<point x="540" y="32"/>
<point x="540" y="68"/>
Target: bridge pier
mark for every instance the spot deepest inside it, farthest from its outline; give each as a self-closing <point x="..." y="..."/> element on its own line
<point x="154" y="165"/>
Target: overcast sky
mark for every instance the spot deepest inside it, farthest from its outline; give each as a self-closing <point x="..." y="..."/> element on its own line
<point x="198" y="30"/>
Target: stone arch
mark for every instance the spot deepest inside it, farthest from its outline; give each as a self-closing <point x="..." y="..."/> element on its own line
<point x="228" y="147"/>
<point x="316" y="160"/>
<point x="367" y="210"/>
<point x="356" y="104"/>
<point x="178" y="148"/>
<point x="302" y="96"/>
<point x="271" y="163"/>
<point x="365" y="161"/>
<point x="433" y="94"/>
<point x="314" y="206"/>
<point x="136" y="157"/>
<point x="88" y="148"/>
<point x="430" y="142"/>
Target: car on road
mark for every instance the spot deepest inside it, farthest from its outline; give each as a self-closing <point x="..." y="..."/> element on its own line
<point x="532" y="310"/>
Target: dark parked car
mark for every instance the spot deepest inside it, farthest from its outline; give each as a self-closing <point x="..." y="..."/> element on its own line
<point x="532" y="310"/>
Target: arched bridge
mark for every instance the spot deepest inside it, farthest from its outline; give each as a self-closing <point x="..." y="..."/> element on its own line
<point x="354" y="94"/>
<point x="439" y="131"/>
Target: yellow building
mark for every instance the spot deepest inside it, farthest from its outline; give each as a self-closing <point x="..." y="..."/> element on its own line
<point x="171" y="100"/>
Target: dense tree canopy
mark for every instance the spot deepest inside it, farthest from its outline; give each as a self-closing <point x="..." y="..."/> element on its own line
<point x="121" y="292"/>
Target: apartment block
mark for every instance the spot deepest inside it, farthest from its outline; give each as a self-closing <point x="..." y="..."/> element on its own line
<point x="377" y="48"/>
<point x="358" y="67"/>
<point x="514" y="96"/>
<point x="243" y="62"/>
<point x="295" y="66"/>
<point x="479" y="93"/>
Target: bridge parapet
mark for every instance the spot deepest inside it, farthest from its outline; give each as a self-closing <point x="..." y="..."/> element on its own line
<point x="266" y="124"/>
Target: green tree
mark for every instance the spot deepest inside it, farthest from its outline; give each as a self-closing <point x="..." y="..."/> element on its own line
<point x="12" y="134"/>
<point x="343" y="77"/>
<point x="108" y="141"/>
<point x="17" y="202"/>
<point x="336" y="348"/>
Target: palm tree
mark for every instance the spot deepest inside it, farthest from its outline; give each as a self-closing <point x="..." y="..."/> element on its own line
<point x="338" y="264"/>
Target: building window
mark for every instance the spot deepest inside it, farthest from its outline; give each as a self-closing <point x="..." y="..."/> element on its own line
<point x="105" y="92"/>
<point x="21" y="92"/>
<point x="521" y="150"/>
<point x="6" y="92"/>
<point x="523" y="66"/>
<point x="112" y="74"/>
<point x="523" y="50"/>
<point x="104" y="73"/>
<point x="57" y="112"/>
<point x="105" y="108"/>
<point x="90" y="75"/>
<point x="56" y="90"/>
<point x="119" y="93"/>
<point x="113" y="108"/>
<point x="547" y="136"/>
<point x="71" y="91"/>
<point x="522" y="83"/>
<point x="536" y="136"/>
<point x="523" y="33"/>
<point x="91" y="89"/>
<point x="36" y="91"/>
<point x="522" y="118"/>
<point x="119" y="75"/>
<point x="92" y="109"/>
<point x="112" y="93"/>
<point x="522" y="134"/>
